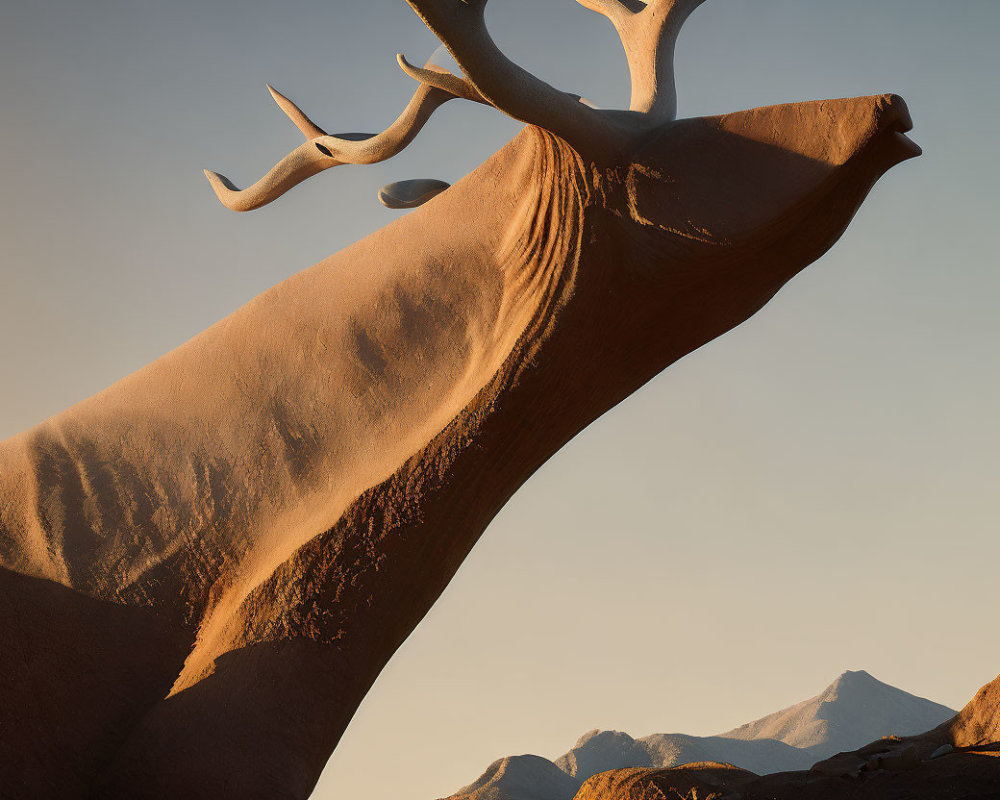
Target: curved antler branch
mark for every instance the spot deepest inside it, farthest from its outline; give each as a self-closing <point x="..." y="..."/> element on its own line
<point x="648" y="32"/>
<point x="442" y="80"/>
<point x="309" y="128"/>
<point x="303" y="162"/>
<point x="323" y="151"/>
<point x="461" y="27"/>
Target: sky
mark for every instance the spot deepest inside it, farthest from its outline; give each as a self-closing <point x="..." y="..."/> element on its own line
<point x="816" y="491"/>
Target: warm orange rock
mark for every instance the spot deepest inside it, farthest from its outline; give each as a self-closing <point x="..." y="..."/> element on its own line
<point x="703" y="781"/>
<point x="234" y="540"/>
<point x="978" y="724"/>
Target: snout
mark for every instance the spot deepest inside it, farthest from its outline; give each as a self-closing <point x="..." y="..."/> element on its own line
<point x="894" y="122"/>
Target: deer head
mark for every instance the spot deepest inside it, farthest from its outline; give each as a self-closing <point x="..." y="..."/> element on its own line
<point x="658" y="216"/>
<point x="604" y="138"/>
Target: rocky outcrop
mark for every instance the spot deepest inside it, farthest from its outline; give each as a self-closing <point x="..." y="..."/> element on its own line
<point x="968" y="776"/>
<point x="702" y="780"/>
<point x="978" y="724"/>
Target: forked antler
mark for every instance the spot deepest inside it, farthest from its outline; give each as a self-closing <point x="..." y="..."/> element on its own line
<point x="322" y="151"/>
<point x="648" y="32"/>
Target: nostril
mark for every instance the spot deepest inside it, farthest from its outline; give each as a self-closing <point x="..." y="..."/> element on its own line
<point x="324" y="150"/>
<point x="898" y="114"/>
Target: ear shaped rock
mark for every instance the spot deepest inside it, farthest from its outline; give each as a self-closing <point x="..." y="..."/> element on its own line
<point x="410" y="194"/>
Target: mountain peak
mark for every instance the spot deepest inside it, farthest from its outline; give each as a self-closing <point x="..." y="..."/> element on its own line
<point x="856" y="674"/>
<point x="856" y="708"/>
<point x="853" y="680"/>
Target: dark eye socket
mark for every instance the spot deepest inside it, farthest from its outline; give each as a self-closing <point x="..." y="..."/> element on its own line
<point x="325" y="151"/>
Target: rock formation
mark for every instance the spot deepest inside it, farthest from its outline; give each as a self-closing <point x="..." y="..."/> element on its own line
<point x="694" y="781"/>
<point x="206" y="565"/>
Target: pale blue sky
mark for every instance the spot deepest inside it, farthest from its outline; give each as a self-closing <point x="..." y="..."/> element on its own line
<point x="815" y="491"/>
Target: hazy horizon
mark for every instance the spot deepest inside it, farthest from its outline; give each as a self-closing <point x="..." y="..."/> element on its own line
<point x="813" y="492"/>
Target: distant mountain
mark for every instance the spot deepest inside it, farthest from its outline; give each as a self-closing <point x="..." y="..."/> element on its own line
<point x="851" y="712"/>
<point x="598" y="751"/>
<point x="521" y="778"/>
<point x="762" y="756"/>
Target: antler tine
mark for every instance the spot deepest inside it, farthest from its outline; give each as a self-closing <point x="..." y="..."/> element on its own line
<point x="612" y="9"/>
<point x="323" y="151"/>
<point x="648" y="32"/>
<point x="461" y="27"/>
<point x="309" y="128"/>
<point x="450" y="83"/>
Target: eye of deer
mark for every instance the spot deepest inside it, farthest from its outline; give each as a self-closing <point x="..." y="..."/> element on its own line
<point x="324" y="150"/>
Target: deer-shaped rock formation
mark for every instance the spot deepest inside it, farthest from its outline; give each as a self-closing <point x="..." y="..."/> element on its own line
<point x="206" y="566"/>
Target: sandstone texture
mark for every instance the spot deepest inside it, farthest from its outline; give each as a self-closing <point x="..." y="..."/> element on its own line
<point x="210" y="562"/>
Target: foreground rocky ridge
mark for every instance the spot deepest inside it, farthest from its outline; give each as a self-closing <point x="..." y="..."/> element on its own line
<point x="958" y="760"/>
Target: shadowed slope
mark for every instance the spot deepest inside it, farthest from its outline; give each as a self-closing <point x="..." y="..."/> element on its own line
<point x="77" y="676"/>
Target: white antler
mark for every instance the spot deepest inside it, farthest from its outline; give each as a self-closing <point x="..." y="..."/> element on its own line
<point x="648" y="32"/>
<point x="461" y="27"/>
<point x="322" y="151"/>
